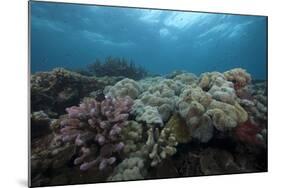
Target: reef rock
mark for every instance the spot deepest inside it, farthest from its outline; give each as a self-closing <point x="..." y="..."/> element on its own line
<point x="40" y="124"/>
<point x="53" y="91"/>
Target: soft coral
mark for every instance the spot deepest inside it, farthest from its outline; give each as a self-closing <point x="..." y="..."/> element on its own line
<point x="247" y="133"/>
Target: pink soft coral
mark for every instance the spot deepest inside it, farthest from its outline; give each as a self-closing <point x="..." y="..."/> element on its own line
<point x="247" y="133"/>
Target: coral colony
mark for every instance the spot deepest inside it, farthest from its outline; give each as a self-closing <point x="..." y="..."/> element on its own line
<point x="149" y="127"/>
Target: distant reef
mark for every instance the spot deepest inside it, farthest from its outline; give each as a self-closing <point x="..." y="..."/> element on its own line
<point x="114" y="66"/>
<point x="88" y="129"/>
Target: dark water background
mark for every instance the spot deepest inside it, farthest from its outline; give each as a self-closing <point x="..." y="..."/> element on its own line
<point x="72" y="36"/>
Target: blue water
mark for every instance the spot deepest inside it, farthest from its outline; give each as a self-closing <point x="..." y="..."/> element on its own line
<point x="72" y="36"/>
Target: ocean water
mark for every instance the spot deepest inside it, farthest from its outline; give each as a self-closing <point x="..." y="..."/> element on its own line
<point x="73" y="36"/>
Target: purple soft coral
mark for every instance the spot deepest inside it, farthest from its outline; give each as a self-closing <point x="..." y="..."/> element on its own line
<point x="94" y="127"/>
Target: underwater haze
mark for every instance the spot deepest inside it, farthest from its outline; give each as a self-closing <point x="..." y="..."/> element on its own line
<point x="161" y="41"/>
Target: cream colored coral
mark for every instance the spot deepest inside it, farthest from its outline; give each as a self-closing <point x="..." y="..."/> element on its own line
<point x="129" y="169"/>
<point x="132" y="136"/>
<point x="160" y="145"/>
<point x="218" y="87"/>
<point x="238" y="76"/>
<point x="147" y="114"/>
<point x="125" y="87"/>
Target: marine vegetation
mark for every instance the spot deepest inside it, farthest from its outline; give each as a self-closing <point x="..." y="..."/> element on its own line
<point x="162" y="126"/>
<point x="114" y="66"/>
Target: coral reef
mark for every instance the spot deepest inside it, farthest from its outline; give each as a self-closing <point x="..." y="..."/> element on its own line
<point x="53" y="91"/>
<point x="125" y="87"/>
<point x="132" y="134"/>
<point x="94" y="127"/>
<point x="161" y="96"/>
<point x="238" y="76"/>
<point x="215" y="161"/>
<point x="116" y="67"/>
<point x="160" y="145"/>
<point x="129" y="169"/>
<point x="163" y="126"/>
<point x="40" y="124"/>
<point x="147" y="114"/>
<point x="192" y="106"/>
<point x="179" y="128"/>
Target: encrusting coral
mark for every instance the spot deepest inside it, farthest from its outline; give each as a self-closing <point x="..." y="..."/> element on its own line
<point x="94" y="127"/>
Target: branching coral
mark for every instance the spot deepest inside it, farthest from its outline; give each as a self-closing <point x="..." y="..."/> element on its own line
<point x="160" y="145"/>
<point x="95" y="129"/>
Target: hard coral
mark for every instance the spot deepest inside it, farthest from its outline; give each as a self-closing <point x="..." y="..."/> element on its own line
<point x="94" y="127"/>
<point x="160" y="145"/>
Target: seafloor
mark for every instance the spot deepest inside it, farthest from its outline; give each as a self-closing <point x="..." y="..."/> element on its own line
<point x="87" y="129"/>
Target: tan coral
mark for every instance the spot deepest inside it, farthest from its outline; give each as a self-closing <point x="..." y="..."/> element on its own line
<point x="192" y="106"/>
<point x="160" y="145"/>
<point x="132" y="136"/>
<point x="179" y="128"/>
<point x="238" y="76"/>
